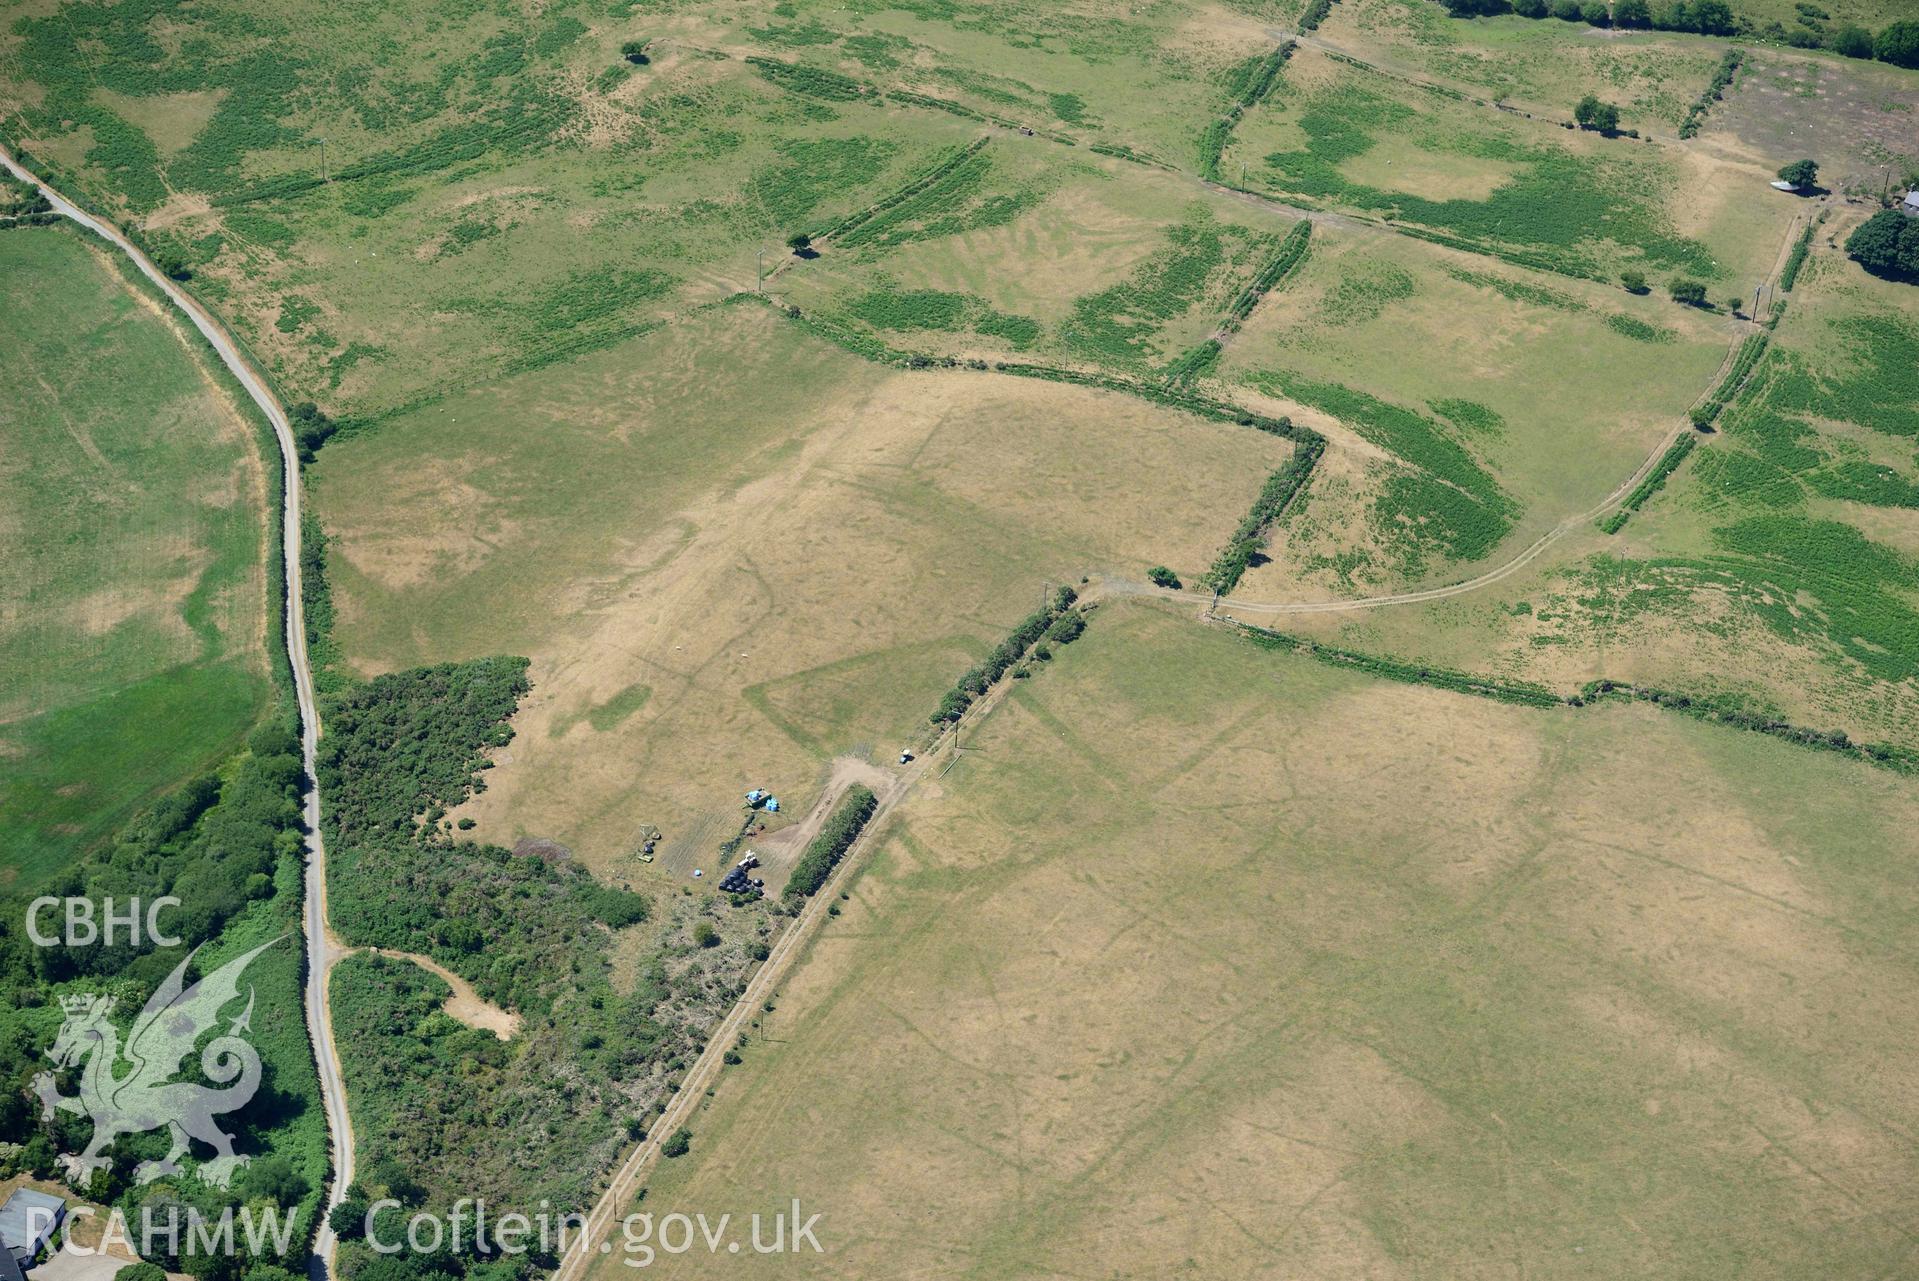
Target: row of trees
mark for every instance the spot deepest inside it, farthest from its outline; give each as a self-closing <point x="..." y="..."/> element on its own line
<point x="1898" y="43"/>
<point x="829" y="847"/>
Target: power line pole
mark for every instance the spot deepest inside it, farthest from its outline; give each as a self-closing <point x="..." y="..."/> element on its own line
<point x="760" y="258"/>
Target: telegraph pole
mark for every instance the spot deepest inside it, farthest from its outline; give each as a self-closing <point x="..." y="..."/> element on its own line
<point x="324" y="177"/>
<point x="760" y="258"/>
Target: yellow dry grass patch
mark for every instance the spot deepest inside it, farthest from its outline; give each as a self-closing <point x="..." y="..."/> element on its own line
<point x="1214" y="962"/>
<point x="797" y="578"/>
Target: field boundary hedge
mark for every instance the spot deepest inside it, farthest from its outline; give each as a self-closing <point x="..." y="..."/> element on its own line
<point x="1051" y="622"/>
<point x="1789" y="275"/>
<point x="1722" y="76"/>
<point x="1713" y="709"/>
<point x="860" y="217"/>
<point x="1256" y="85"/>
<point x="1652" y="482"/>
<point x="824" y="852"/>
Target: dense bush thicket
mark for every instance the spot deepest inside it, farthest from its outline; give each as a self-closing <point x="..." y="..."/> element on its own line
<point x="450" y="1110"/>
<point x="826" y="850"/>
<point x="1887" y="244"/>
<point x="227" y="846"/>
<point x="407" y="746"/>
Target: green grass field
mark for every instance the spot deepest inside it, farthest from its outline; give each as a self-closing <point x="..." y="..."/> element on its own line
<point x="1545" y="392"/>
<point x="1154" y="977"/>
<point x="1787" y="534"/>
<point x="133" y="603"/>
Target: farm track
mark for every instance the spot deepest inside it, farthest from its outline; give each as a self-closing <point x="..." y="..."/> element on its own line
<point x="321" y="951"/>
<point x="595" y="1239"/>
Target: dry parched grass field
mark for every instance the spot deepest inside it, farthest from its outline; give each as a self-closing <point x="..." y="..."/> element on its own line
<point x="716" y="607"/>
<point x="1292" y="972"/>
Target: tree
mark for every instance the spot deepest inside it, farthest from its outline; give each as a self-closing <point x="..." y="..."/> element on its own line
<point x="1531" y="8"/>
<point x="634" y="51"/>
<point x="1690" y="292"/>
<point x="800" y="243"/>
<point x="1674" y="17"/>
<point x="679" y="1143"/>
<point x="274" y="1179"/>
<point x="705" y="935"/>
<point x="1568" y="10"/>
<point x="1898" y="44"/>
<point x="1591" y="113"/>
<point x="1733" y="305"/>
<point x="348" y="1219"/>
<point x="1634" y="281"/>
<point x="1887" y="244"/>
<point x="1597" y="13"/>
<point x="1712" y="18"/>
<point x="142" y="1272"/>
<point x="1163" y="577"/>
<point x="1632" y="13"/>
<point x="1852" y="42"/>
<point x="172" y="264"/>
<point x="1801" y="174"/>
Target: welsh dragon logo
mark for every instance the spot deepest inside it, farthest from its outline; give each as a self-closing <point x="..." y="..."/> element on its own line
<point x="141" y="1097"/>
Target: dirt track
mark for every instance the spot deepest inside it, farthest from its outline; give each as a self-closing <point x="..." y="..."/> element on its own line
<point x="322" y="950"/>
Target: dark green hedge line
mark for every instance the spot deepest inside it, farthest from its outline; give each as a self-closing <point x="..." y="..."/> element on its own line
<point x="1200" y="360"/>
<point x="1789" y="276"/>
<point x="1651" y="483"/>
<point x="1251" y="85"/>
<point x="1716" y="710"/>
<point x="817" y="82"/>
<point x="1720" y="711"/>
<point x="1122" y="152"/>
<point x="1050" y="622"/>
<point x="1713" y="92"/>
<point x="1274" y="497"/>
<point x="1522" y="693"/>
<point x="1707" y="413"/>
<point x="1315" y="14"/>
<point x="830" y="846"/>
<point x="1195" y="363"/>
<point x="861" y="217"/>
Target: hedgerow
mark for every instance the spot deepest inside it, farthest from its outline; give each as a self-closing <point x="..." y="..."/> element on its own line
<point x="1714" y="709"/>
<point x="1274" y="497"/>
<point x="1722" y="76"/>
<point x="1249" y="82"/>
<point x="1707" y="412"/>
<point x="1523" y="693"/>
<point x="1789" y="275"/>
<point x="1651" y="483"/>
<point x="1724" y="711"/>
<point x="983" y="676"/>
<point x="1315" y="14"/>
<point x="825" y="851"/>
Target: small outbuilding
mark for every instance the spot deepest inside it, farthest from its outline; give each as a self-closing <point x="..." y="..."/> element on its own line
<point x="1910" y="205"/>
<point x="27" y="1222"/>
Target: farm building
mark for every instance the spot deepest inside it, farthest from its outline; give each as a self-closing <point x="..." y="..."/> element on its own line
<point x="27" y="1222"/>
<point x="1910" y="206"/>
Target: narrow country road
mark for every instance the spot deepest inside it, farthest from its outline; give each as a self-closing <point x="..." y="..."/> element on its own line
<point x="318" y="943"/>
